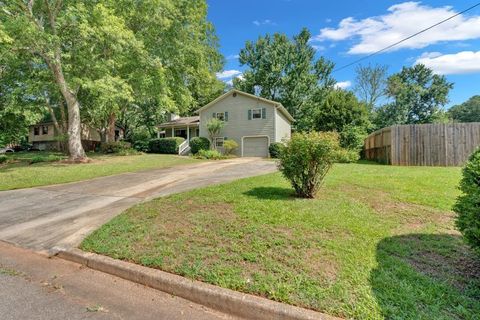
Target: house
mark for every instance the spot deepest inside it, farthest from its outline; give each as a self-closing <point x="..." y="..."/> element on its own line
<point x="253" y="122"/>
<point x="44" y="136"/>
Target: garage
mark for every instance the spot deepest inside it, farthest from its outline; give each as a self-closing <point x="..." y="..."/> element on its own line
<point x="255" y="147"/>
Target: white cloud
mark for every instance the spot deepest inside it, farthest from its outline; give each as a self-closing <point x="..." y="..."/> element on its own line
<point x="233" y="57"/>
<point x="228" y="74"/>
<point x="319" y="48"/>
<point x="343" y="84"/>
<point x="264" y="22"/>
<point x="457" y="63"/>
<point x="402" y="20"/>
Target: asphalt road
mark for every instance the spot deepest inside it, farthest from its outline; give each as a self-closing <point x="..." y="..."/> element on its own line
<point x="35" y="287"/>
<point x="43" y="218"/>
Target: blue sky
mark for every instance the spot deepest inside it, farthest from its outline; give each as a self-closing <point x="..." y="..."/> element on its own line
<point x="344" y="31"/>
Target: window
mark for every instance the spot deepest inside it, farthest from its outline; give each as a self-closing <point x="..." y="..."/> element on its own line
<point x="44" y="129"/>
<point x="219" y="142"/>
<point x="36" y="131"/>
<point x="181" y="133"/>
<point x="220" y="116"/>
<point x="256" y="113"/>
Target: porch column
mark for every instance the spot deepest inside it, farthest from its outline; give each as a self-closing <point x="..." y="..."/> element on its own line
<point x="158" y="132"/>
<point x="173" y="132"/>
<point x="188" y="133"/>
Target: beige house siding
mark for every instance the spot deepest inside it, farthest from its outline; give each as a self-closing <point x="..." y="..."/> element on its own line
<point x="41" y="137"/>
<point x="283" y="129"/>
<point x="238" y="125"/>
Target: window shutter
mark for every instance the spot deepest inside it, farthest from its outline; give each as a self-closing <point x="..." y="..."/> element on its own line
<point x="225" y="138"/>
<point x="264" y="113"/>
<point x="249" y="114"/>
<point x="226" y="116"/>
<point x="214" y="115"/>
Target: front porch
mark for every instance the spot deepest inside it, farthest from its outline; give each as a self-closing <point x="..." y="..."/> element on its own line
<point x="186" y="127"/>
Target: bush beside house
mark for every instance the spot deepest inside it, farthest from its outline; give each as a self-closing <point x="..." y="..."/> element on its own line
<point x="229" y="146"/>
<point x="199" y="143"/>
<point x="115" y="147"/>
<point x="166" y="145"/>
<point x="468" y="204"/>
<point x="275" y="149"/>
<point x="306" y="159"/>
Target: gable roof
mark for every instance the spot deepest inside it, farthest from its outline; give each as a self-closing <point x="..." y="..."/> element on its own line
<point x="182" y="121"/>
<point x="274" y="103"/>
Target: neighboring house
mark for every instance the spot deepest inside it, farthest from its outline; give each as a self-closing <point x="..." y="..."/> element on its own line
<point x="44" y="136"/>
<point x="253" y="122"/>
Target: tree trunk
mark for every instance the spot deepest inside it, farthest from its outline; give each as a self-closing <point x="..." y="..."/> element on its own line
<point x="75" y="147"/>
<point x="111" y="128"/>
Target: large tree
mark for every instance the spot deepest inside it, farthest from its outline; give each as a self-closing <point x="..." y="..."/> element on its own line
<point x="418" y="95"/>
<point x="469" y="111"/>
<point x="286" y="70"/>
<point x="370" y="84"/>
<point x="103" y="57"/>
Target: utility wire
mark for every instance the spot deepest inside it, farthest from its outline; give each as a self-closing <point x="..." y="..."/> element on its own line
<point x="405" y="39"/>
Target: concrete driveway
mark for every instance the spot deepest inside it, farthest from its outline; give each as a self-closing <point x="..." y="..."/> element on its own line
<point x="62" y="215"/>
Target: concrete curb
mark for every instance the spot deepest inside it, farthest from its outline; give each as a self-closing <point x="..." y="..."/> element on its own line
<point x="224" y="300"/>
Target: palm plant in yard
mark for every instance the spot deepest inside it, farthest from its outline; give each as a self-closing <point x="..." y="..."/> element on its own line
<point x="214" y="126"/>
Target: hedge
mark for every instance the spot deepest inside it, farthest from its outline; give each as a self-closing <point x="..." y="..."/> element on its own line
<point x="199" y="143"/>
<point x="165" y="145"/>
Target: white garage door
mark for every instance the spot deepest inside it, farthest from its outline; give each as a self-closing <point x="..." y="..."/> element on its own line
<point x="255" y="147"/>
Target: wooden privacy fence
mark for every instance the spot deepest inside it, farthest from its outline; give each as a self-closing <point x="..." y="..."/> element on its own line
<point x="424" y="144"/>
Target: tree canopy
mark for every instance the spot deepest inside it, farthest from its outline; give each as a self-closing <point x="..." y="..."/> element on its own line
<point x="286" y="70"/>
<point x="418" y="96"/>
<point x="106" y="58"/>
<point x="469" y="111"/>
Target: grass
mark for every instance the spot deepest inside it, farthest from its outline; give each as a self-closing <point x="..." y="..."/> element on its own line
<point x="378" y="242"/>
<point x="31" y="169"/>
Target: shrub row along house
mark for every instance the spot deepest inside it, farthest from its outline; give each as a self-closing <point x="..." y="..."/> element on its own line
<point x="253" y="122"/>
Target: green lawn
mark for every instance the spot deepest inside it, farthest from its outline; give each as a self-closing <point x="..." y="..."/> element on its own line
<point x="19" y="173"/>
<point x="378" y="242"/>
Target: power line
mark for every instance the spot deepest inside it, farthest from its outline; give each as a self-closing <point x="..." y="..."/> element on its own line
<point x="405" y="39"/>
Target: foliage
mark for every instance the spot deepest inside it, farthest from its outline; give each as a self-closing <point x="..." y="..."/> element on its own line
<point x="209" y="155"/>
<point x="352" y="137"/>
<point x="214" y="126"/>
<point x="129" y="61"/>
<point x="340" y="109"/>
<point x="286" y="70"/>
<point x="418" y="96"/>
<point x="199" y="143"/>
<point x="229" y="146"/>
<point x="348" y="156"/>
<point x="129" y="152"/>
<point x="3" y="158"/>
<point x="306" y="159"/>
<point x="469" y="111"/>
<point x="275" y="149"/>
<point x="115" y="146"/>
<point x="166" y="145"/>
<point x="468" y="204"/>
<point x="142" y="145"/>
<point x="48" y="158"/>
<point x="370" y="84"/>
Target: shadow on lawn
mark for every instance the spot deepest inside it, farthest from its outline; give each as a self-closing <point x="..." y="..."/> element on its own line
<point x="271" y="193"/>
<point x="433" y="276"/>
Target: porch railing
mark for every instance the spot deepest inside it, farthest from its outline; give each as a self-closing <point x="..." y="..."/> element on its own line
<point x="183" y="147"/>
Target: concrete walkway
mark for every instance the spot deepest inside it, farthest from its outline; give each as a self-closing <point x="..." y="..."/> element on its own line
<point x="62" y="215"/>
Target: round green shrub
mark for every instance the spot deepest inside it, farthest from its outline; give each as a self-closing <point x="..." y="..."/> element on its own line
<point x="275" y="149"/>
<point x="199" y="143"/>
<point x="306" y="159"/>
<point x="115" y="147"/>
<point x="229" y="146"/>
<point x="467" y="206"/>
<point x="3" y="158"/>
